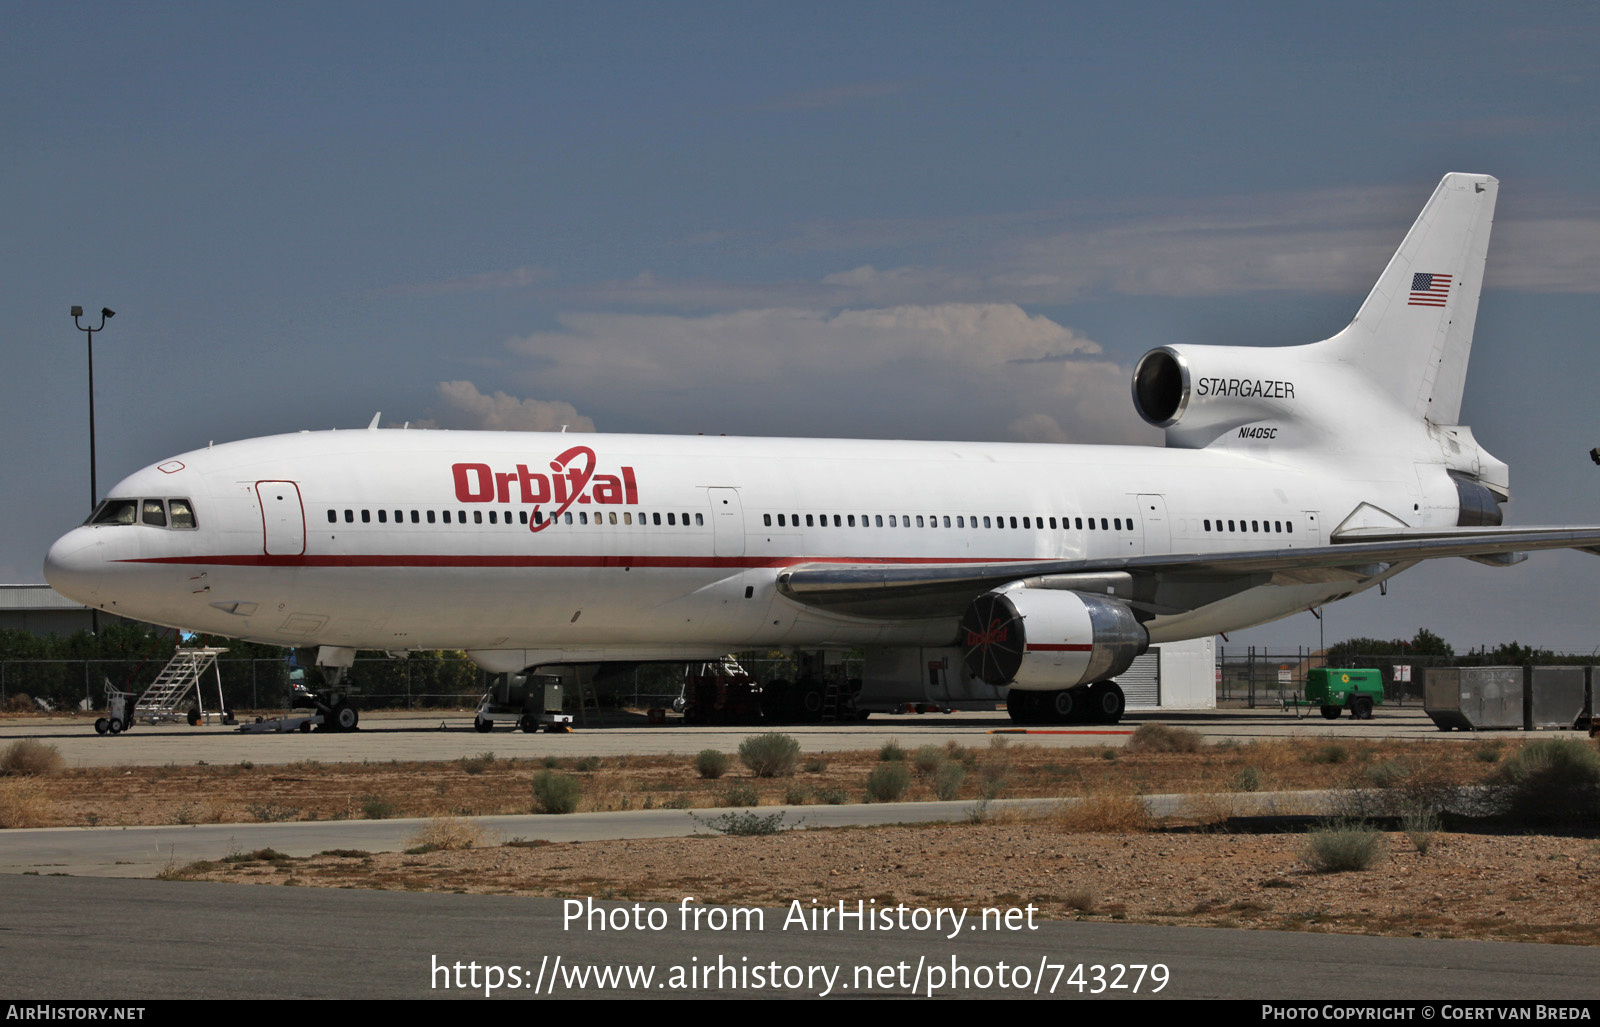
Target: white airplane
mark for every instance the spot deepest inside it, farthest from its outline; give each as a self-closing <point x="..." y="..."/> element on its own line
<point x="1292" y="477"/>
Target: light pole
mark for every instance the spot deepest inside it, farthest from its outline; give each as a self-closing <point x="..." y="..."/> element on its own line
<point x="94" y="490"/>
<point x="105" y="312"/>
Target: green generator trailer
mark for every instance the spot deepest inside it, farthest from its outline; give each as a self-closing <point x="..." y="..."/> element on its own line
<point x="1335" y="689"/>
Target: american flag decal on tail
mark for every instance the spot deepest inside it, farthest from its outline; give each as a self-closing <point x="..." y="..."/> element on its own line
<point x="1429" y="290"/>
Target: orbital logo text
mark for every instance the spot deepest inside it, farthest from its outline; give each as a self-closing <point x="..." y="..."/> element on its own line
<point x="568" y="481"/>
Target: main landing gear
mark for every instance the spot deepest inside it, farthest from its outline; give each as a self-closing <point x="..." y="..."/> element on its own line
<point x="1098" y="703"/>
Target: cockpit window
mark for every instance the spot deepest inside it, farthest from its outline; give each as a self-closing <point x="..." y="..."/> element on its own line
<point x="116" y="511"/>
<point x="155" y="513"/>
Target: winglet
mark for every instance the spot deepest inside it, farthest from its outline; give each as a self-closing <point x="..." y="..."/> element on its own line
<point x="374" y="423"/>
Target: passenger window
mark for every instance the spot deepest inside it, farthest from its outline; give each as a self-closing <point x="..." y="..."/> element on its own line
<point x="655" y="519"/>
<point x="430" y="516"/>
<point x="1052" y="524"/>
<point x="627" y="518"/>
<point x="809" y="521"/>
<point x="492" y="519"/>
<point x="383" y="517"/>
<point x="1208" y="524"/>
<point x="699" y="520"/>
<point x="672" y="519"/>
<point x="538" y="517"/>
<point x="583" y="518"/>
<point x="1091" y="524"/>
<point x="414" y="517"/>
<point x="399" y="516"/>
<point x="568" y="519"/>
<point x="1080" y="523"/>
<point x="1277" y="527"/>
<point x="986" y="522"/>
<point x="349" y="516"/>
<point x="366" y="517"/>
<point x="893" y="522"/>
<point x="766" y="519"/>
<point x="1254" y="526"/>
<point x="851" y="520"/>
<point x="333" y="518"/>
<point x="446" y="516"/>
<point x="1288" y="527"/>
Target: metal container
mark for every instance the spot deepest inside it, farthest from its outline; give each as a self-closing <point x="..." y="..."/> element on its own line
<point x="1474" y="698"/>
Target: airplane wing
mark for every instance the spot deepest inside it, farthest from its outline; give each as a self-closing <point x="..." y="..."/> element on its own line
<point x="1162" y="584"/>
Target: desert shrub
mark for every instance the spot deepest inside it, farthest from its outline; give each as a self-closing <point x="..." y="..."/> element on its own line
<point x="770" y="755"/>
<point x="555" y="793"/>
<point x="1420" y="827"/>
<point x="376" y="807"/>
<point x="476" y="764"/>
<point x="1247" y="779"/>
<point x="29" y="758"/>
<point x="1388" y="774"/>
<point x="815" y="765"/>
<point x="1548" y="780"/>
<point x="1105" y="814"/>
<point x="796" y="795"/>
<point x="745" y="823"/>
<point x="21" y="702"/>
<point x="890" y="752"/>
<point x="927" y="760"/>
<point x="446" y="833"/>
<point x="948" y="781"/>
<point x="1342" y="847"/>
<point x="740" y="793"/>
<point x="1161" y="738"/>
<point x="1333" y="752"/>
<point x="888" y="782"/>
<point x="586" y="764"/>
<point x="711" y="764"/>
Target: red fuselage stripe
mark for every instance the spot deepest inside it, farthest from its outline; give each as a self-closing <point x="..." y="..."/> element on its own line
<point x="439" y="560"/>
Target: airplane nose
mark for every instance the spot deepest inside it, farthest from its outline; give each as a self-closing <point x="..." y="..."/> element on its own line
<point x="72" y="564"/>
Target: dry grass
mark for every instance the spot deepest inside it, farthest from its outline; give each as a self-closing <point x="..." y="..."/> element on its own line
<point x="231" y="793"/>
<point x="1161" y="738"/>
<point x="23" y="804"/>
<point x="448" y="834"/>
<point x="1105" y="813"/>
<point x="29" y="758"/>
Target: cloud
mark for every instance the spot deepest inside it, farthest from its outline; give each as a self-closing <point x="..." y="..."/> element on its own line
<point x="672" y="351"/>
<point x="956" y="370"/>
<point x="463" y="406"/>
<point x="516" y="278"/>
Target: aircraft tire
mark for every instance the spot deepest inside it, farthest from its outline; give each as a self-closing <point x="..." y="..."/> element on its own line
<point x="101" y="726"/>
<point x="1020" y="706"/>
<point x="805" y="701"/>
<point x="1107" y="701"/>
<point x="345" y="717"/>
<point x="482" y="726"/>
<point x="114" y="725"/>
<point x="1331" y="712"/>
<point x="1064" y="706"/>
<point x="193" y="717"/>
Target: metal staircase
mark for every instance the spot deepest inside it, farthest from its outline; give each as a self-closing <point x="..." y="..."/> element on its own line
<point x="171" y="688"/>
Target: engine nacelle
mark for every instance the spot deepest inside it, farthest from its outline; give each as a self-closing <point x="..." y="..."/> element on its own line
<point x="1038" y="639"/>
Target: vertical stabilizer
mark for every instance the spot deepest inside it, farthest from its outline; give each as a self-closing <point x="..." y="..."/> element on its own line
<point x="1413" y="335"/>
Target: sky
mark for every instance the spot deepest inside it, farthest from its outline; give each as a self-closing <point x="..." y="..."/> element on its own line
<point x="922" y="220"/>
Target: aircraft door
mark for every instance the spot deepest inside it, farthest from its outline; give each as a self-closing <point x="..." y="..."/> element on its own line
<point x="727" y="520"/>
<point x="1157" y="530"/>
<point x="283" y="518"/>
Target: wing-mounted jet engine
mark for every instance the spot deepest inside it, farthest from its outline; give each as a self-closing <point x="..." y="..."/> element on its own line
<point x="1058" y="651"/>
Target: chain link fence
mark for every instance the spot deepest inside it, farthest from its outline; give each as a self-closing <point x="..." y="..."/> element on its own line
<point x="1255" y="676"/>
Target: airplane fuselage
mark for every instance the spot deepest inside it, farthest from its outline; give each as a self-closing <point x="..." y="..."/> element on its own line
<point x="634" y="547"/>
